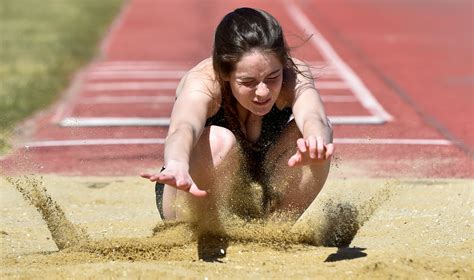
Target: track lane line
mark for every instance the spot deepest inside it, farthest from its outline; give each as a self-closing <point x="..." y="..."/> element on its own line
<point x="132" y="99"/>
<point x="326" y="50"/>
<point x="154" y="141"/>
<point x="165" y="121"/>
<point x="125" y="86"/>
<point x="138" y="99"/>
<point x="135" y="74"/>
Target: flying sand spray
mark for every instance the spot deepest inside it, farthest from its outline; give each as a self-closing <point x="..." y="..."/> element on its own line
<point x="326" y="223"/>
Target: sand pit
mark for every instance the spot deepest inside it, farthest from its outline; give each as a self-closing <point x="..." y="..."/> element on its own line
<point x="384" y="229"/>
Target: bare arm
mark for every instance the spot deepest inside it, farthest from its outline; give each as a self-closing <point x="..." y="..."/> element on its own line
<point x="311" y="120"/>
<point x="187" y="120"/>
<point x="193" y="105"/>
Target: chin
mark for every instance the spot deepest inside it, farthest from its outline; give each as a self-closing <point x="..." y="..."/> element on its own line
<point x="261" y="111"/>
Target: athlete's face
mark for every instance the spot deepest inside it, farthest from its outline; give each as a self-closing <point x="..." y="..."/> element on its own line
<point x="256" y="81"/>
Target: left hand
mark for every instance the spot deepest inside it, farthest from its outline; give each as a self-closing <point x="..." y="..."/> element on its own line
<point x="177" y="176"/>
<point x="311" y="150"/>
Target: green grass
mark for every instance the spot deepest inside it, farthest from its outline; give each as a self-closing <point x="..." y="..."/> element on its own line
<point x="42" y="43"/>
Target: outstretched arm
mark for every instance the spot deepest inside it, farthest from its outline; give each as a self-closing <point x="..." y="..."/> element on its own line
<point x="187" y="122"/>
<point x="316" y="144"/>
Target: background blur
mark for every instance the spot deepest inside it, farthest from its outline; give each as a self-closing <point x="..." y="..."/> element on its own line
<point x="42" y="44"/>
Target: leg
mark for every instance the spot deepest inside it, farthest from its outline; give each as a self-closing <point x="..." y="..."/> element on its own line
<point x="294" y="187"/>
<point x="212" y="164"/>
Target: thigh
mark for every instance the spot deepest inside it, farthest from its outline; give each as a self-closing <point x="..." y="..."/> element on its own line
<point x="293" y="188"/>
<point x="215" y="154"/>
<point x="212" y="162"/>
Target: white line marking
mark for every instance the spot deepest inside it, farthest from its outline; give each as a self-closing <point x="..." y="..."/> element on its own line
<point x="154" y="141"/>
<point x="131" y="86"/>
<point x="323" y="69"/>
<point x="127" y="99"/>
<point x="171" y="99"/>
<point x="97" y="122"/>
<point x="338" y="98"/>
<point x="324" y="75"/>
<point x="142" y="62"/>
<point x="107" y="121"/>
<point x="136" y="74"/>
<point x="331" y="85"/>
<point x="68" y="99"/>
<point x="149" y="67"/>
<point x="90" y="142"/>
<point x="131" y="64"/>
<point x="360" y="90"/>
<point x="388" y="141"/>
<point x="173" y="85"/>
<point x="356" y="120"/>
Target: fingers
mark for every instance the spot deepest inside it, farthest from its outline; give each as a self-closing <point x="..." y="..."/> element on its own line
<point x="194" y="190"/>
<point x="181" y="184"/>
<point x="313" y="148"/>
<point x="301" y="144"/>
<point x="166" y="179"/>
<point x="189" y="186"/>
<point x="295" y="159"/>
<point x="311" y="142"/>
<point x="149" y="176"/>
<point x="162" y="178"/>
<point x="184" y="185"/>
<point x="320" y="147"/>
<point x="329" y="150"/>
<point x="315" y="145"/>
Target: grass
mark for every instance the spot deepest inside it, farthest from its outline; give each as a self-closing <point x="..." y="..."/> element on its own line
<point x="42" y="43"/>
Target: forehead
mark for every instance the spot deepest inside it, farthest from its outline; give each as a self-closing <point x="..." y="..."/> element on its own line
<point x="256" y="65"/>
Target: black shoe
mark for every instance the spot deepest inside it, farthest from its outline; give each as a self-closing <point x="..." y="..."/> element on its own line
<point x="159" y="188"/>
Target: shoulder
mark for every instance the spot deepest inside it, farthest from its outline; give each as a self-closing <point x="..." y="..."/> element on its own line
<point x="297" y="80"/>
<point x="199" y="78"/>
<point x="199" y="83"/>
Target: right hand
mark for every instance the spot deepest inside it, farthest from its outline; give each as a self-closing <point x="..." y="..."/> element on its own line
<point x="311" y="151"/>
<point x="176" y="175"/>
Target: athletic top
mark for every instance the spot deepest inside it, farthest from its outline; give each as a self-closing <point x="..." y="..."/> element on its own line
<point x="272" y="126"/>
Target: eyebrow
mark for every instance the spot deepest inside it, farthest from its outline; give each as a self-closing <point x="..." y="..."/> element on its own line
<point x="252" y="78"/>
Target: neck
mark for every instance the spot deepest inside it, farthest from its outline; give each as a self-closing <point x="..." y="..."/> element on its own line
<point x="245" y="115"/>
<point x="250" y="124"/>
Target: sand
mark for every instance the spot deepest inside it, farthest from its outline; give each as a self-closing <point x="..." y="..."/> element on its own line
<point x="100" y="227"/>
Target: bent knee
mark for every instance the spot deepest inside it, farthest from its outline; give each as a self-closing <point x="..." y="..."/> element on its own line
<point x="222" y="142"/>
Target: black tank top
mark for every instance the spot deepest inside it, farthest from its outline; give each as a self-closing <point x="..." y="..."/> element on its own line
<point x="272" y="126"/>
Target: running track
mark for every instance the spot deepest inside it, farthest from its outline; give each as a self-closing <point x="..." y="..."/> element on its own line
<point x="396" y="78"/>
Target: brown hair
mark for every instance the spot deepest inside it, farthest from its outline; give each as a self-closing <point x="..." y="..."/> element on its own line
<point x="245" y="30"/>
<point x="242" y="31"/>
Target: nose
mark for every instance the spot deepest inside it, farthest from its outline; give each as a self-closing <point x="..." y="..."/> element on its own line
<point x="262" y="90"/>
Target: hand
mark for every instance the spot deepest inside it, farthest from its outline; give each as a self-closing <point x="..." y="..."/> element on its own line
<point x="311" y="150"/>
<point x="176" y="175"/>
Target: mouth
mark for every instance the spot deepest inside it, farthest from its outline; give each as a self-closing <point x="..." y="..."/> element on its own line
<point x="262" y="103"/>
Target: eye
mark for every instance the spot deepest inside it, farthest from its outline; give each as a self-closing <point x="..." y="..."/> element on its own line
<point x="273" y="78"/>
<point x="250" y="83"/>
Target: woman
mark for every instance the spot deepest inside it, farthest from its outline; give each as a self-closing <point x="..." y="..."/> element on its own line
<point x="231" y="127"/>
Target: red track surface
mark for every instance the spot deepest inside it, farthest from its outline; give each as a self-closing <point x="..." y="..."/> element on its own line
<point x="414" y="56"/>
